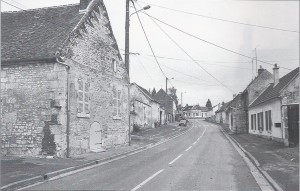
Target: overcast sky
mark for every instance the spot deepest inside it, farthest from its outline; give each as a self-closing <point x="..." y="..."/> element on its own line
<point x="232" y="70"/>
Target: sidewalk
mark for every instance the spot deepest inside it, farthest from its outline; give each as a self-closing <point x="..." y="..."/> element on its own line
<point x="280" y="162"/>
<point x="14" y="169"/>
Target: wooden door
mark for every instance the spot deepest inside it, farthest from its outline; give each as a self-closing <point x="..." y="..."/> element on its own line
<point x="293" y="123"/>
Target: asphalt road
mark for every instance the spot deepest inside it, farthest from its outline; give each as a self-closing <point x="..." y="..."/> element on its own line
<point x="201" y="159"/>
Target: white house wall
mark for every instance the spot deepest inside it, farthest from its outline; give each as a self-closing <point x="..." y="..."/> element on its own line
<point x="275" y="107"/>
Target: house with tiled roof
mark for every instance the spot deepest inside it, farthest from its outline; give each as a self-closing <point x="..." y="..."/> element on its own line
<point x="275" y="112"/>
<point x="64" y="86"/>
<point x="145" y="110"/>
<point x="236" y="112"/>
<point x="168" y="103"/>
<point x="220" y="114"/>
<point x="196" y="111"/>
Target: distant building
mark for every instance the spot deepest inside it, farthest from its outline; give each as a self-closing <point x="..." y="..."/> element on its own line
<point x="275" y="112"/>
<point x="64" y="86"/>
<point x="196" y="111"/>
<point x="145" y="110"/>
<point x="168" y="103"/>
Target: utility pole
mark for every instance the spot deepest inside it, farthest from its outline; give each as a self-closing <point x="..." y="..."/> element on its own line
<point x="181" y="100"/>
<point x="166" y="85"/>
<point x="256" y="60"/>
<point x="127" y="63"/>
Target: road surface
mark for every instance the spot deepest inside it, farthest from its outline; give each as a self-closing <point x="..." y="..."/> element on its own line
<point x="201" y="159"/>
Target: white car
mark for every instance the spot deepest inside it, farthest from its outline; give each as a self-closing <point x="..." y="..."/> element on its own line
<point x="183" y="122"/>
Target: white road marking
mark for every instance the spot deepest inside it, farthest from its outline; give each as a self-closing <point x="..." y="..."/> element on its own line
<point x="195" y="142"/>
<point x="175" y="159"/>
<point x="188" y="148"/>
<point x="147" y="180"/>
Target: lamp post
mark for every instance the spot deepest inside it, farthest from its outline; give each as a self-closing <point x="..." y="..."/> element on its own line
<point x="167" y="84"/>
<point x="127" y="54"/>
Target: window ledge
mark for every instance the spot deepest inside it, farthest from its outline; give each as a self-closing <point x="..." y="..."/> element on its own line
<point x="117" y="117"/>
<point x="83" y="115"/>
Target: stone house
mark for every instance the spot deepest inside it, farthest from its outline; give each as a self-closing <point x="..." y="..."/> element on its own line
<point x="237" y="109"/>
<point x="220" y="114"/>
<point x="275" y="112"/>
<point x="64" y="86"/>
<point x="168" y="103"/>
<point x="145" y="110"/>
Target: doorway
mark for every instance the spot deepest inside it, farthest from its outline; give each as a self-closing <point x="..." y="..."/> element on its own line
<point x="96" y="137"/>
<point x="293" y="123"/>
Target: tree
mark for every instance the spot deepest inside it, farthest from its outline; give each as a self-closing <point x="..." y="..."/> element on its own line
<point x="172" y="93"/>
<point x="153" y="92"/>
<point x="208" y="103"/>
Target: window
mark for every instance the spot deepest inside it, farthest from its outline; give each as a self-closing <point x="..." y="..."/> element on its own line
<point x="83" y="99"/>
<point x="253" y="121"/>
<point x="268" y="120"/>
<point x="260" y="120"/>
<point x="114" y="65"/>
<point x="116" y="103"/>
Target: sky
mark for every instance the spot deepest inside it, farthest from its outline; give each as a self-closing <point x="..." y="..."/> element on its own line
<point x="200" y="70"/>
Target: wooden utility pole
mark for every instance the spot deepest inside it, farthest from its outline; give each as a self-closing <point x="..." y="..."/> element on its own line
<point x="256" y="61"/>
<point x="127" y="63"/>
<point x="166" y="85"/>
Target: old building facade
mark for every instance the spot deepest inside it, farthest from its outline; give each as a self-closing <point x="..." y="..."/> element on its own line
<point x="275" y="113"/>
<point x="64" y="93"/>
<point x="145" y="110"/>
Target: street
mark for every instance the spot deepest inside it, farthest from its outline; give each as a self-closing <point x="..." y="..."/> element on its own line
<point x="201" y="159"/>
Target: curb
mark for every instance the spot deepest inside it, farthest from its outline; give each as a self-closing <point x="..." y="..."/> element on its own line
<point x="23" y="184"/>
<point x="256" y="163"/>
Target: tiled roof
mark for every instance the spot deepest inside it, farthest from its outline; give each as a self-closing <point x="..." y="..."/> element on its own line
<point x="272" y="92"/>
<point x="223" y="107"/>
<point x="146" y="92"/>
<point x="36" y="33"/>
<point x="186" y="108"/>
<point x="165" y="100"/>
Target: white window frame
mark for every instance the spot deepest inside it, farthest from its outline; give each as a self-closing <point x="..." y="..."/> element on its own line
<point x="85" y="101"/>
<point x="117" y="104"/>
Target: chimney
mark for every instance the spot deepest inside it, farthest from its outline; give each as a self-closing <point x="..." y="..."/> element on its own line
<point x="234" y="95"/>
<point x="260" y="70"/>
<point x="276" y="74"/>
<point x="83" y="5"/>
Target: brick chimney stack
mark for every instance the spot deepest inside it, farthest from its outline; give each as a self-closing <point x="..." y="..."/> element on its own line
<point x="260" y="70"/>
<point x="83" y="5"/>
<point x="276" y="74"/>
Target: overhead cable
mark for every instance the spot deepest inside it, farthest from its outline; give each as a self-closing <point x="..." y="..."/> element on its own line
<point x="189" y="34"/>
<point x="219" y="19"/>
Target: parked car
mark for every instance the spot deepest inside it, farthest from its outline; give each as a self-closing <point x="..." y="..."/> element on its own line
<point x="183" y="122"/>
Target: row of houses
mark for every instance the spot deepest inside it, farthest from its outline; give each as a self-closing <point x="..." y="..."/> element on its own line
<point x="64" y="86"/>
<point x="149" y="110"/>
<point x="197" y="111"/>
<point x="268" y="107"/>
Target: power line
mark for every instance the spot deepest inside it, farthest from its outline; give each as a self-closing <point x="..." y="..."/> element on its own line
<point x="182" y="72"/>
<point x="149" y="43"/>
<point x="203" y="62"/>
<point x="12" y="5"/>
<point x="189" y="55"/>
<point x="215" y="18"/>
<point x="18" y="3"/>
<point x="189" y="34"/>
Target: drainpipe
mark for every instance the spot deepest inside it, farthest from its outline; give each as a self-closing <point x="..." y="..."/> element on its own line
<point x="61" y="61"/>
<point x="68" y="112"/>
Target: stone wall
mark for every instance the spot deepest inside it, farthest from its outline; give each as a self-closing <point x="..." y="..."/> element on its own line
<point x="98" y="87"/>
<point x="33" y="108"/>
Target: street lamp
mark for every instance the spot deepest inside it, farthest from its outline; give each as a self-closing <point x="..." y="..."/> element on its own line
<point x="167" y="84"/>
<point x="127" y="54"/>
<point x="144" y="8"/>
